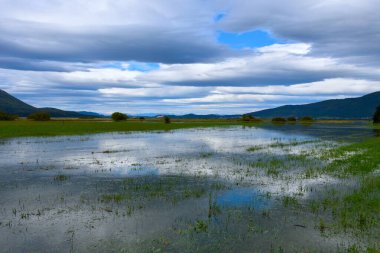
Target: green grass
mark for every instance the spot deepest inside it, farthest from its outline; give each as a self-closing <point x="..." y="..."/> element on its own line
<point x="61" y="178"/>
<point x="355" y="159"/>
<point x="23" y="128"/>
<point x="356" y="210"/>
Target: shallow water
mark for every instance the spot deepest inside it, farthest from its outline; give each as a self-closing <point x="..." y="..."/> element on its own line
<point x="180" y="191"/>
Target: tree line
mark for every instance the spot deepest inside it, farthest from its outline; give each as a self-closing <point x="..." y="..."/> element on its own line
<point x="118" y="116"/>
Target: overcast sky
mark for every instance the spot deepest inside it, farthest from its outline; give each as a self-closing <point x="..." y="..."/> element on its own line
<point x="187" y="56"/>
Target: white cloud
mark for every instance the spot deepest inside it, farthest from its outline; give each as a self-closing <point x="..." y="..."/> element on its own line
<point x="157" y="92"/>
<point x="326" y="87"/>
<point x="60" y="53"/>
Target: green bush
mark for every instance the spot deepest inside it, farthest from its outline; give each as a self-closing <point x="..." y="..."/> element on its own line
<point x="292" y="119"/>
<point x="118" y="116"/>
<point x="39" y="116"/>
<point x="167" y="120"/>
<point x="376" y="116"/>
<point x="7" y="116"/>
<point x="247" y="117"/>
<point x="278" y="120"/>
<point x="307" y="118"/>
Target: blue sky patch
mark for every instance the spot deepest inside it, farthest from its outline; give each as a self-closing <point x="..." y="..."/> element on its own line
<point x="253" y="39"/>
<point x="132" y="66"/>
<point x="143" y="66"/>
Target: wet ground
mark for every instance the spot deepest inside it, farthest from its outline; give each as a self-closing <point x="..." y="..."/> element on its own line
<point x="235" y="189"/>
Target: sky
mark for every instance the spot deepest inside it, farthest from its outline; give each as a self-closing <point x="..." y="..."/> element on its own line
<point x="187" y="56"/>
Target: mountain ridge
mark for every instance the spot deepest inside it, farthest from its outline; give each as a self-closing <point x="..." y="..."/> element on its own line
<point x="12" y="105"/>
<point x="348" y="108"/>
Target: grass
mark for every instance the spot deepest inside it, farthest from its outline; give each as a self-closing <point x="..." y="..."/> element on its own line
<point x="58" y="127"/>
<point x="61" y="178"/>
<point x="22" y="128"/>
<point x="355" y="159"/>
<point x="355" y="210"/>
<point x="169" y="188"/>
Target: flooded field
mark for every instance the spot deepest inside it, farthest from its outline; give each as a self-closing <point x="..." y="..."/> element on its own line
<point x="230" y="189"/>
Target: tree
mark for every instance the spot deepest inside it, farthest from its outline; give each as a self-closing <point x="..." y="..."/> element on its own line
<point x="118" y="116"/>
<point x="307" y="118"/>
<point x="376" y="116"/>
<point x="278" y="120"/>
<point x="292" y="119"/>
<point x="7" y="116"/>
<point x="167" y="120"/>
<point x="39" y="116"/>
<point x="247" y="117"/>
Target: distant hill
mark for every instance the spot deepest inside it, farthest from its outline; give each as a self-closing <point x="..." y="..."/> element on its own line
<point x="188" y="116"/>
<point x="349" y="108"/>
<point x="92" y="114"/>
<point x="207" y="116"/>
<point x="12" y="105"/>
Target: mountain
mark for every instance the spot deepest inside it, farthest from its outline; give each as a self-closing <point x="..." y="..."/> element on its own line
<point x="188" y="116"/>
<point x="349" y="108"/>
<point x="12" y="105"/>
<point x="207" y="116"/>
<point x="92" y="114"/>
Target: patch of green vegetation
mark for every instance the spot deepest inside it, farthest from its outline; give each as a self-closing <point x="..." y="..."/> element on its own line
<point x="169" y="188"/>
<point x="206" y="154"/>
<point x="255" y="148"/>
<point x="61" y="178"/>
<point x="356" y="210"/>
<point x="355" y="159"/>
<point x="118" y="116"/>
<point x="7" y="116"/>
<point x="194" y="192"/>
<point x="278" y="120"/>
<point x="279" y="144"/>
<point x="289" y="201"/>
<point x="39" y="116"/>
<point x="201" y="226"/>
<point x="306" y="118"/>
<point x="21" y="128"/>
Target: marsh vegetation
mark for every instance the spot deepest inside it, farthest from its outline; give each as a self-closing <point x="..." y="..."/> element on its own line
<point x="260" y="188"/>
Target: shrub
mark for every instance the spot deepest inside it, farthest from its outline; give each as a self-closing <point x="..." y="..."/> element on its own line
<point x="7" y="116"/>
<point x="278" y="120"/>
<point x="306" y="118"/>
<point x="376" y="116"/>
<point x="141" y="118"/>
<point x="167" y="120"/>
<point x="247" y="117"/>
<point x="39" y="116"/>
<point x="118" y="116"/>
<point x="292" y="119"/>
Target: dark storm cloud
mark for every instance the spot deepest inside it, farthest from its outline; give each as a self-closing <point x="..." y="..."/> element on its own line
<point x="111" y="43"/>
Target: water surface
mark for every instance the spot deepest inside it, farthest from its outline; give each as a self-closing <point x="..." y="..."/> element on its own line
<point x="179" y="191"/>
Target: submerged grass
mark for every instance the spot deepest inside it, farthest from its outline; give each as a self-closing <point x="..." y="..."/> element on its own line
<point x="355" y="159"/>
<point x="169" y="188"/>
<point x="356" y="210"/>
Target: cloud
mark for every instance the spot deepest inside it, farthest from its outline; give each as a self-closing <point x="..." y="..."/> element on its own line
<point x="159" y="31"/>
<point x="271" y="65"/>
<point x="339" y="28"/>
<point x="157" y="92"/>
<point x="161" y="56"/>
